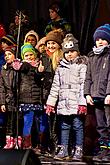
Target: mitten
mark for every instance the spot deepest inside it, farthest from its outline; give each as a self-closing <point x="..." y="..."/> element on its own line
<point x="16" y="64"/>
<point x="49" y="109"/>
<point x="82" y="109"/>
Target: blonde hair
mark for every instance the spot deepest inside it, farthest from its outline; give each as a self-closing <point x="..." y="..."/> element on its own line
<point x="56" y="57"/>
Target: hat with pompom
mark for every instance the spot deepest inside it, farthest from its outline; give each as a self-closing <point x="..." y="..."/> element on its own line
<point x="56" y="35"/>
<point x="70" y="43"/>
<point x="102" y="32"/>
<point x="27" y="47"/>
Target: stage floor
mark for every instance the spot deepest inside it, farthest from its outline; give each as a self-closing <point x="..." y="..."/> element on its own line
<point x="87" y="161"/>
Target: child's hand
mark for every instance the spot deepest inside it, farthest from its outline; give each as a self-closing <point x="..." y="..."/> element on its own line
<point x="41" y="67"/>
<point x="107" y="100"/>
<point x="82" y="109"/>
<point x="3" y="108"/>
<point x="16" y="64"/>
<point x="89" y="100"/>
<point x="49" y="109"/>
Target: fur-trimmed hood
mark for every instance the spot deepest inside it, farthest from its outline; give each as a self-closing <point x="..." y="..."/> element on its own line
<point x="78" y="60"/>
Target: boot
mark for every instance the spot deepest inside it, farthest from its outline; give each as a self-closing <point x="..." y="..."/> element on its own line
<point x="27" y="142"/>
<point x="102" y="152"/>
<point x="78" y="154"/>
<point x="37" y="150"/>
<point x="18" y="142"/>
<point x="63" y="153"/>
<point x="10" y="144"/>
<point x="106" y="158"/>
<point x="44" y="144"/>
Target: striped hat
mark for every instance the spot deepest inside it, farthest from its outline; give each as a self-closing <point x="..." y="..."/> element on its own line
<point x="8" y="38"/>
<point x="27" y="47"/>
<point x="102" y="32"/>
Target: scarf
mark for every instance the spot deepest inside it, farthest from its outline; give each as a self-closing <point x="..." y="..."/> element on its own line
<point x="100" y="49"/>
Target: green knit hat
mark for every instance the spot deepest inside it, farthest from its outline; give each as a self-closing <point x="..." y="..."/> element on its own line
<point x="27" y="47"/>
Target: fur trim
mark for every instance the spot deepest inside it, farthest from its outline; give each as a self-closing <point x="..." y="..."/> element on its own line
<point x="82" y="60"/>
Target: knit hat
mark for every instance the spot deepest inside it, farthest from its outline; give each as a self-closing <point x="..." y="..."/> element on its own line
<point x="31" y="32"/>
<point x="70" y="43"/>
<point x="41" y="42"/>
<point x="8" y="38"/>
<point x="102" y="32"/>
<point x="27" y="47"/>
<point x="12" y="49"/>
<point x="55" y="35"/>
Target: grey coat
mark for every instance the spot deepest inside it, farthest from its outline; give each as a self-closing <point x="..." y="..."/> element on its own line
<point x="67" y="87"/>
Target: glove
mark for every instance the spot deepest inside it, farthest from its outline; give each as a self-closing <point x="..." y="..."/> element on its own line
<point x="82" y="109"/>
<point x="16" y="64"/>
<point x="49" y="109"/>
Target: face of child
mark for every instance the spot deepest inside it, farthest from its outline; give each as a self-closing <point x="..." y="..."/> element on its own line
<point x="53" y="14"/>
<point x="101" y="42"/>
<point x="41" y="48"/>
<point x="32" y="40"/>
<point x="71" y="55"/>
<point x="29" y="56"/>
<point x="4" y="45"/>
<point x="52" y="46"/>
<point x="9" y="57"/>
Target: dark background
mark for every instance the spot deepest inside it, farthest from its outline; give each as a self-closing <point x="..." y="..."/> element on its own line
<point x="85" y="16"/>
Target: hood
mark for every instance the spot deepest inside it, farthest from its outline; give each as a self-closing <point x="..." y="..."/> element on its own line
<point x="77" y="60"/>
<point x="33" y="33"/>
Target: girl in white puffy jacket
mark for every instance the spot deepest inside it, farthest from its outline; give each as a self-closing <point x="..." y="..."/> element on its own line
<point x="67" y="89"/>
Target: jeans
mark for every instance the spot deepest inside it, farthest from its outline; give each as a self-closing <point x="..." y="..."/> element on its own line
<point x="41" y="121"/>
<point x="103" y="122"/>
<point x="76" y="123"/>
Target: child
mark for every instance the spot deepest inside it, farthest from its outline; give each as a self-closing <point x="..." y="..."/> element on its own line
<point x="56" y="20"/>
<point x="41" y="45"/>
<point x="53" y="43"/>
<point x="29" y="90"/>
<point x="67" y="89"/>
<point x="6" y="41"/>
<point x="8" y="97"/>
<point x="31" y="37"/>
<point x="54" y="52"/>
<point x="97" y="88"/>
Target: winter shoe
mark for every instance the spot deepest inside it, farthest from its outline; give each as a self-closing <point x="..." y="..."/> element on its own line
<point x="78" y="154"/>
<point x="27" y="142"/>
<point x="37" y="150"/>
<point x="62" y="154"/>
<point x="106" y="158"/>
<point x="10" y="144"/>
<point x="102" y="152"/>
